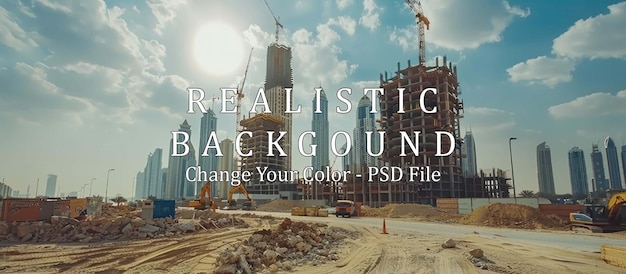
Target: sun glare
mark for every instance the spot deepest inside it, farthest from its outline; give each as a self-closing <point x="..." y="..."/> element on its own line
<point x="218" y="48"/>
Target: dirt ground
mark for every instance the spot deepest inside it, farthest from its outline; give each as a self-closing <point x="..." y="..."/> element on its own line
<point x="368" y="252"/>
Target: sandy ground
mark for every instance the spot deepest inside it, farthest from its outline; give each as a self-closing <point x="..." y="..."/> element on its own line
<point x="397" y="252"/>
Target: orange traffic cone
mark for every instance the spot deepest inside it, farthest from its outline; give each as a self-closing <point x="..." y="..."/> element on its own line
<point x="384" y="227"/>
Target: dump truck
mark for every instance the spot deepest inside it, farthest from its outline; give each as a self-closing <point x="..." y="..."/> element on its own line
<point x="344" y="208"/>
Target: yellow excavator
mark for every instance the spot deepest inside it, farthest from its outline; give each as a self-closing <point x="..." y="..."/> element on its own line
<point x="247" y="205"/>
<point x="204" y="202"/>
<point x="600" y="218"/>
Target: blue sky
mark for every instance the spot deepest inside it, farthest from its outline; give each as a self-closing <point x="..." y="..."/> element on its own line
<point x="93" y="85"/>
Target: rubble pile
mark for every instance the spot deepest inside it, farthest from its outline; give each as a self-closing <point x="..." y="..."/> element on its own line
<point x="290" y="245"/>
<point x="63" y="229"/>
<point x="278" y="206"/>
<point x="511" y="215"/>
<point x="200" y="214"/>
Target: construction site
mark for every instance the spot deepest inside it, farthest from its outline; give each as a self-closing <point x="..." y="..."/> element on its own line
<point x="457" y="225"/>
<point x="286" y="236"/>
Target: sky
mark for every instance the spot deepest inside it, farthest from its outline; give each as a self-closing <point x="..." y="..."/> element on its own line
<point x="92" y="85"/>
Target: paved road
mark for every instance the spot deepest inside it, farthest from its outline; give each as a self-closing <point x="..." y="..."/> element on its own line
<point x="565" y="241"/>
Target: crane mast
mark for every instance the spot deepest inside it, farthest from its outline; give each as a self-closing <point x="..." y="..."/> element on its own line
<point x="422" y="21"/>
<point x="276" y="20"/>
<point x="240" y="96"/>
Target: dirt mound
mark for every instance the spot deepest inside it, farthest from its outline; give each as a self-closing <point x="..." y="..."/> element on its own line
<point x="278" y="206"/>
<point x="289" y="245"/>
<point x="402" y="210"/>
<point x="510" y="215"/>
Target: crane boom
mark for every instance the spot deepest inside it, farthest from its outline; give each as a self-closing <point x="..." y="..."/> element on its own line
<point x="240" y="96"/>
<point x="422" y="21"/>
<point x="276" y="20"/>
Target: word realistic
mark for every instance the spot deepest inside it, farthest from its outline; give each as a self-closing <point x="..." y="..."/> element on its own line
<point x="261" y="100"/>
<point x="181" y="138"/>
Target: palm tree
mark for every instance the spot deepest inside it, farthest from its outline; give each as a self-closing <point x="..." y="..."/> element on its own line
<point x="118" y="200"/>
<point x="527" y="194"/>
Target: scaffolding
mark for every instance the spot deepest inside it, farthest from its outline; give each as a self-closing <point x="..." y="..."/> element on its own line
<point x="259" y="143"/>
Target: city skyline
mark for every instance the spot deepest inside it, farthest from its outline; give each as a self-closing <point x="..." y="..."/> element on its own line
<point x="96" y="100"/>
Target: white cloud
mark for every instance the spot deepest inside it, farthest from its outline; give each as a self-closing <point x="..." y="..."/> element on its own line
<point x="164" y="11"/>
<point x="602" y="36"/>
<point x="11" y="34"/>
<point x="346" y="23"/>
<point x="370" y="18"/>
<point x="483" y="119"/>
<point x="596" y="104"/>
<point x="467" y="26"/>
<point x="543" y="70"/>
<point x="342" y="4"/>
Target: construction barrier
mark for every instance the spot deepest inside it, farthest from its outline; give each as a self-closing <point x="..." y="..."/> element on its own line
<point x="449" y="205"/>
<point x="298" y="211"/>
<point x="468" y="205"/>
<point x="613" y="255"/>
<point x="311" y="211"/>
<point x="18" y="209"/>
<point x="61" y="208"/>
<point x="77" y="206"/>
<point x="322" y="213"/>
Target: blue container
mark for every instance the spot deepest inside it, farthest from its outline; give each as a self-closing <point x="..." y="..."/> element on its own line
<point x="164" y="209"/>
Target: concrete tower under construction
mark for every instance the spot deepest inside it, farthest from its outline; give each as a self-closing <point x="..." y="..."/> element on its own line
<point x="278" y="78"/>
<point x="414" y="80"/>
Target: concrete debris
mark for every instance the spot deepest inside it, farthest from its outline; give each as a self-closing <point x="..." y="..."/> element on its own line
<point x="290" y="245"/>
<point x="118" y="225"/>
<point x="449" y="244"/>
<point x="476" y="253"/>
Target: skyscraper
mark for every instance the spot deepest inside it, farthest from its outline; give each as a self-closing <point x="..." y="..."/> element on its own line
<point x="152" y="175"/>
<point x="613" y="162"/>
<point x="51" y="185"/>
<point x="600" y="182"/>
<point x="140" y="189"/>
<point x="278" y="67"/>
<point x="227" y="163"/>
<point x="578" y="172"/>
<point x="208" y="124"/>
<point x="319" y="125"/>
<point x="365" y="121"/>
<point x="346" y="160"/>
<point x="278" y="78"/>
<point x="544" y="169"/>
<point x="470" y="166"/>
<point x="177" y="186"/>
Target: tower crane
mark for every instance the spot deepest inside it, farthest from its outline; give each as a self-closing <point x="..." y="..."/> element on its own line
<point x="240" y="96"/>
<point x="422" y="21"/>
<point x="276" y="19"/>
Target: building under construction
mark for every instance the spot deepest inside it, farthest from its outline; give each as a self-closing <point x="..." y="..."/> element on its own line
<point x="414" y="80"/>
<point x="258" y="143"/>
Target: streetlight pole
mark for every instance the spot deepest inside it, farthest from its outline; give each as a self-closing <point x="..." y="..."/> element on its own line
<point x="91" y="185"/>
<point x="512" y="173"/>
<point x="106" y="191"/>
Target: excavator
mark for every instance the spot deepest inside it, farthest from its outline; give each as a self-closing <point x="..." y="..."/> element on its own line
<point x="600" y="218"/>
<point x="201" y="204"/>
<point x="247" y="205"/>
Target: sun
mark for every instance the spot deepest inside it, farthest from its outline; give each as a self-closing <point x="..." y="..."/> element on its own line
<point x="218" y="48"/>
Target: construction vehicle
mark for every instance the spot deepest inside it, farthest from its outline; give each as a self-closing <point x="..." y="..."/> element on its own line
<point x="204" y="202"/>
<point x="601" y="218"/>
<point x="247" y="205"/>
<point x="344" y="208"/>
